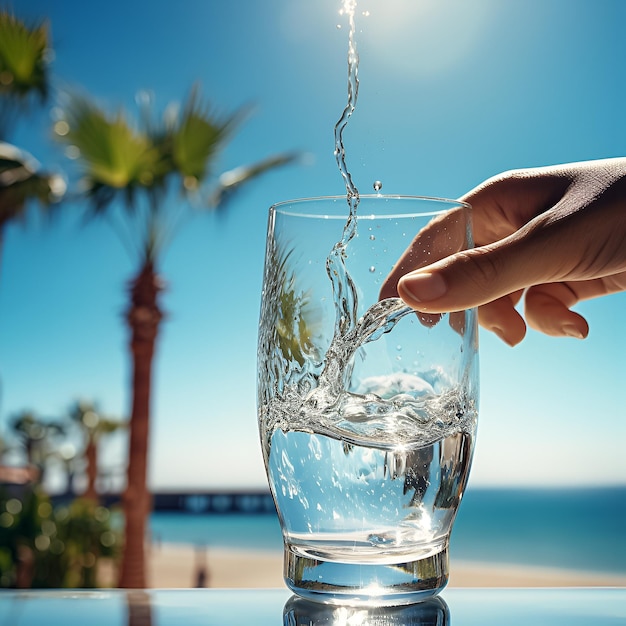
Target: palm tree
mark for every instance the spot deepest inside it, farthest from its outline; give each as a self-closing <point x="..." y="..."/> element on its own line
<point x="24" y="82"/>
<point x="128" y="171"/>
<point x="36" y="437"/>
<point x="94" y="426"/>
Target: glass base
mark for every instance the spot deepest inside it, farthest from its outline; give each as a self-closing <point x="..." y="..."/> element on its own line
<point x="381" y="584"/>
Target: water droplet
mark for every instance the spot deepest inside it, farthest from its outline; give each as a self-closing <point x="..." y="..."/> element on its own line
<point x="366" y="13"/>
<point x="377" y="185"/>
<point x="398" y="348"/>
<point x="372" y="237"/>
<point x="338" y="26"/>
<point x="372" y="269"/>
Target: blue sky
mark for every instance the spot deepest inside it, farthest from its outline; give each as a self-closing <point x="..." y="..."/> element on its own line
<point x="451" y="93"/>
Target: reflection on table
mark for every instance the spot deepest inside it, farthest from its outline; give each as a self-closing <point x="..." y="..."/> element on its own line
<point x="300" y="612"/>
<point x="276" y="607"/>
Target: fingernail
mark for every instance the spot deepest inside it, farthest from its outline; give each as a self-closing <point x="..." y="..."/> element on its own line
<point x="424" y="287"/>
<point x="502" y="335"/>
<point x="572" y="331"/>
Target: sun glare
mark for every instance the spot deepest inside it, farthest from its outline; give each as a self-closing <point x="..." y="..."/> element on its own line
<point x="421" y="37"/>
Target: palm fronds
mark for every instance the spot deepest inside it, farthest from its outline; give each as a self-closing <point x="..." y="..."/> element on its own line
<point x="21" y="180"/>
<point x="23" y="67"/>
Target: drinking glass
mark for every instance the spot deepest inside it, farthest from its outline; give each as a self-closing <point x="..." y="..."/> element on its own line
<point x="367" y="409"/>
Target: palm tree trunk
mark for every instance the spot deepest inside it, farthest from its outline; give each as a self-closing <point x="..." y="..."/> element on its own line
<point x="91" y="455"/>
<point x="144" y="317"/>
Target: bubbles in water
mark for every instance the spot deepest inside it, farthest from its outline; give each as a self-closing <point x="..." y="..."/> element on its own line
<point x="372" y="237"/>
<point x="372" y="269"/>
<point x="377" y="185"/>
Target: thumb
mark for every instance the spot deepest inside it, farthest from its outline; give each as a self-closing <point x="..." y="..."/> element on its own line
<point x="470" y="278"/>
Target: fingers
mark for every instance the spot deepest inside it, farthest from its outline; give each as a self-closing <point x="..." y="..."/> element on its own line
<point x="502" y="318"/>
<point x="467" y="280"/>
<point x="471" y="278"/>
<point x="547" y="310"/>
<point x="483" y="277"/>
<point x="547" y="250"/>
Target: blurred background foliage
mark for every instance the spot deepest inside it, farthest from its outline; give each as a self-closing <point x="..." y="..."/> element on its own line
<point x="47" y="545"/>
<point x="124" y="164"/>
<point x="67" y="540"/>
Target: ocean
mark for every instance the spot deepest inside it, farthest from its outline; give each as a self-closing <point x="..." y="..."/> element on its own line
<point x="575" y="528"/>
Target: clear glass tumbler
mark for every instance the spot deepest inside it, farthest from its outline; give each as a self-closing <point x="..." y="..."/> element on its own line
<point x="367" y="409"/>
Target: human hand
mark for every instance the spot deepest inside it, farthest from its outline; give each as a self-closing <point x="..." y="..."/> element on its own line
<point x="555" y="235"/>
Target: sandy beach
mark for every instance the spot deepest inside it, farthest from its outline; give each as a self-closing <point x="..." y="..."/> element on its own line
<point x="177" y="566"/>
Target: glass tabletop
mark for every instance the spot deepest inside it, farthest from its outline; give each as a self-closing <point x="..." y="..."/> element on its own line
<point x="276" y="607"/>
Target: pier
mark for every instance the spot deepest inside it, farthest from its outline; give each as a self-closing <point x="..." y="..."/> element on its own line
<point x="253" y="501"/>
<point x="219" y="501"/>
<point x="202" y="501"/>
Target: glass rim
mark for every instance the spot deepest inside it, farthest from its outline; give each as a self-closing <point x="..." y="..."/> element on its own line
<point x="282" y="206"/>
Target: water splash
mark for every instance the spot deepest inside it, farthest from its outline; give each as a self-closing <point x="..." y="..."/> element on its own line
<point x="320" y="401"/>
<point x="381" y="317"/>
<point x="344" y="290"/>
<point x="396" y="411"/>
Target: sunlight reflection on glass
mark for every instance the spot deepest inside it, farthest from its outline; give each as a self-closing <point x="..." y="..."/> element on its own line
<point x="301" y="612"/>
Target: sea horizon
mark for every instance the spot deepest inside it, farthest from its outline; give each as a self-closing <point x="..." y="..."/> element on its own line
<point x="573" y="528"/>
